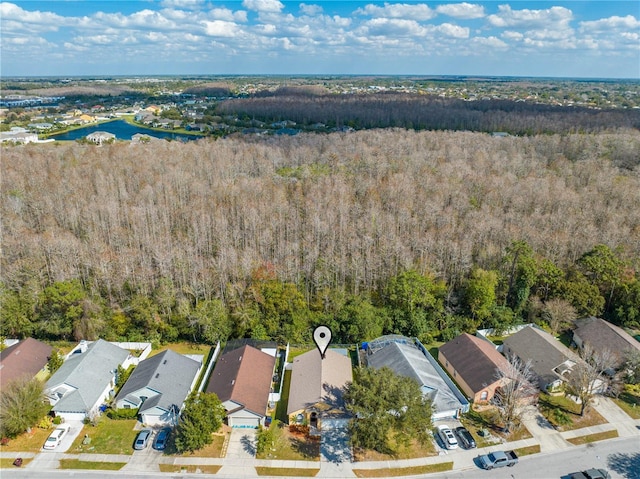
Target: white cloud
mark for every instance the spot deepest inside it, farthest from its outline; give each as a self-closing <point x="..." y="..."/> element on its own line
<point x="183" y="4"/>
<point x="394" y="27"/>
<point x="419" y="11"/>
<point x="14" y="18"/>
<point x="272" y="6"/>
<point x="530" y="18"/>
<point x="310" y="10"/>
<point x="490" y="42"/>
<point x="607" y="24"/>
<point x="461" y="10"/>
<point x="220" y="28"/>
<point x="453" y="31"/>
<point x="511" y="35"/>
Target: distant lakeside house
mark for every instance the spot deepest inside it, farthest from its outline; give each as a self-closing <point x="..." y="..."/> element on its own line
<point x="159" y="387"/>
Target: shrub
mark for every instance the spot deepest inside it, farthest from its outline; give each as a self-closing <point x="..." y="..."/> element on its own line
<point x="122" y="413"/>
<point x="57" y="420"/>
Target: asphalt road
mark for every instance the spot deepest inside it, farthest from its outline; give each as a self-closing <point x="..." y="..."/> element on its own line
<point x="620" y="456"/>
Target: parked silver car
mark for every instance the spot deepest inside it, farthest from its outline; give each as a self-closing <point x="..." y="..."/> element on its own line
<point x="142" y="440"/>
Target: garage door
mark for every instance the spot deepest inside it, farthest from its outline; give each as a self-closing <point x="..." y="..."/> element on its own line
<point x="244" y="422"/>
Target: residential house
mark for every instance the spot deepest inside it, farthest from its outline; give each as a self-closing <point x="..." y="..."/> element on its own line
<point x="24" y="359"/>
<point x="602" y="335"/>
<point x="242" y="379"/>
<point x="473" y="363"/>
<point x="316" y="389"/>
<point x="86" y="379"/>
<point x="550" y="360"/>
<point x="100" y="137"/>
<point x="159" y="386"/>
<point x="18" y="135"/>
<point x="407" y="357"/>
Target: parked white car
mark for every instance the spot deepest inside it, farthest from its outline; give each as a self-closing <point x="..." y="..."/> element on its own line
<point x="56" y="436"/>
<point x="448" y="439"/>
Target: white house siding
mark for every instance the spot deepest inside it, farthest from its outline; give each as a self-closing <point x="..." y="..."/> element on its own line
<point x="72" y="416"/>
<point x="158" y="417"/>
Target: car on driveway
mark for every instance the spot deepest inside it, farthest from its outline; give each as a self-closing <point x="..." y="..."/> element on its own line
<point x="55" y="438"/>
<point x="448" y="439"/>
<point x="160" y="442"/>
<point x="142" y="439"/>
<point x="591" y="474"/>
<point x="465" y="439"/>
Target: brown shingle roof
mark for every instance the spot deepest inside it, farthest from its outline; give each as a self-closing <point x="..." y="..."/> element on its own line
<point x="25" y="358"/>
<point x="315" y="380"/>
<point x="601" y="334"/>
<point x="474" y="359"/>
<point x="244" y="376"/>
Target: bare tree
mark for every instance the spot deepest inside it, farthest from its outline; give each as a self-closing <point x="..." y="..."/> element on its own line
<point x="559" y="314"/>
<point x="590" y="376"/>
<point x="517" y="385"/>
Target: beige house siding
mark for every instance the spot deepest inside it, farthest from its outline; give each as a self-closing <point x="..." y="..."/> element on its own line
<point x="476" y="397"/>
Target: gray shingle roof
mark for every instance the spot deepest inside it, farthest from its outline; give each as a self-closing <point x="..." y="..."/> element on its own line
<point x="601" y="334"/>
<point x="169" y="373"/>
<point x="90" y="373"/>
<point x="407" y="360"/>
<point x="544" y="351"/>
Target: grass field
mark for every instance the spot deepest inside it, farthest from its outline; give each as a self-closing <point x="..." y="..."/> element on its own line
<point x="7" y="463"/>
<point x="598" y="436"/>
<point x="28" y="441"/>
<point x="404" y="471"/>
<point x="108" y="437"/>
<point x="564" y="414"/>
<point x="397" y="451"/>
<point x="629" y="401"/>
<point x="286" y="471"/>
<point x="93" y="465"/>
<point x="190" y="469"/>
<point x="292" y="447"/>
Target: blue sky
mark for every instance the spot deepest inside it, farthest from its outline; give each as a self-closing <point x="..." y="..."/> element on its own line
<point x="517" y="38"/>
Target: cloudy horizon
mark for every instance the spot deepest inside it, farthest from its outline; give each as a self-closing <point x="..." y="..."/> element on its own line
<point x="588" y="39"/>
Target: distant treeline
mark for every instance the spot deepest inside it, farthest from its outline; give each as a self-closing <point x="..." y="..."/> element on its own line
<point x="371" y="232"/>
<point x="426" y="112"/>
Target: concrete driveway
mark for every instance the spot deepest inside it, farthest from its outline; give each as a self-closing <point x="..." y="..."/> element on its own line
<point x="242" y="444"/>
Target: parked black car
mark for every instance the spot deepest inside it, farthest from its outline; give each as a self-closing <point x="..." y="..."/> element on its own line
<point x="465" y="439"/>
<point x="161" y="439"/>
<point x="591" y="474"/>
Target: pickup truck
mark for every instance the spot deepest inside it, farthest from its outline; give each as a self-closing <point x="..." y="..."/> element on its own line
<point x="498" y="459"/>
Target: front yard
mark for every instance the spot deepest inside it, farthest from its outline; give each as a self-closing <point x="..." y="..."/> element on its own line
<point x="292" y="446"/>
<point x="396" y="451"/>
<point x="107" y="437"/>
<point x="28" y="441"/>
<point x="629" y="401"/>
<point x="484" y="425"/>
<point x="564" y="414"/>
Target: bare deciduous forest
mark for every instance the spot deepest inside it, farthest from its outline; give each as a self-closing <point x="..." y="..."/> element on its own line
<point x="273" y="234"/>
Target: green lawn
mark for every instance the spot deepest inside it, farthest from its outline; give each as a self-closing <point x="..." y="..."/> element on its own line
<point x="28" y="441"/>
<point x="7" y="463"/>
<point x="629" y="401"/>
<point x="108" y="437"/>
<point x="190" y="469"/>
<point x="404" y="471"/>
<point x="184" y="348"/>
<point x="212" y="450"/>
<point x="93" y="465"/>
<point x="564" y="414"/>
<point x="281" y="408"/>
<point x="526" y="451"/>
<point x="286" y="471"/>
<point x="292" y="447"/>
<point x="589" y="438"/>
<point x="396" y="451"/>
<point x="487" y="419"/>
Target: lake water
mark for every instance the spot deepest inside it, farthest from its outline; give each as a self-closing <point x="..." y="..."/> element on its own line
<point x="123" y="131"/>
